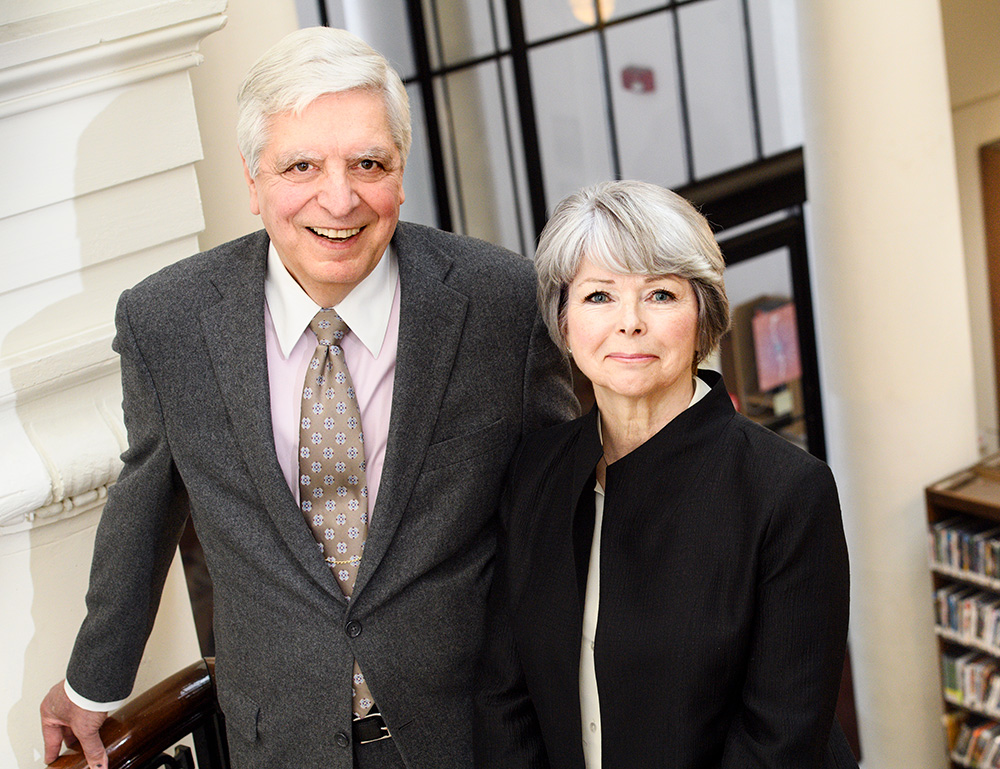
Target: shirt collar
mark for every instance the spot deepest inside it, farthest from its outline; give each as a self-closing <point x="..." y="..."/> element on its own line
<point x="365" y="309"/>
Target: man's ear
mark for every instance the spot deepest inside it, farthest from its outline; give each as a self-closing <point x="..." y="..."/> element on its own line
<point x="252" y="185"/>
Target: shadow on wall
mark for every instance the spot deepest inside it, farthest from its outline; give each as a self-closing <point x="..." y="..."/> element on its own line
<point x="77" y="434"/>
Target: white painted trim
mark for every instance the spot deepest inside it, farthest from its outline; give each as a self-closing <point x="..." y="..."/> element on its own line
<point x="38" y="84"/>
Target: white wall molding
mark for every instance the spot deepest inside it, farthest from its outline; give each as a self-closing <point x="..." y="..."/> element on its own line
<point x="41" y="82"/>
<point x="98" y="128"/>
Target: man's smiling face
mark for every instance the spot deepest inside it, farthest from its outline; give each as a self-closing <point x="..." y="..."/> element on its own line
<point x="328" y="190"/>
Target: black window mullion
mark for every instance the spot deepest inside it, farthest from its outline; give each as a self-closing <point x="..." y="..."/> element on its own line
<point x="421" y="57"/>
<point x="752" y="83"/>
<point x="508" y="139"/>
<point x="526" y="112"/>
<point x="602" y="41"/>
<point x="682" y="97"/>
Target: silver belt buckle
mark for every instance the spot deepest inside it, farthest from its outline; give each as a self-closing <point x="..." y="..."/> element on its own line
<point x="385" y="729"/>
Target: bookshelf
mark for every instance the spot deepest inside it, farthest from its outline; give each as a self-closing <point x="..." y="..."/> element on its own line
<point x="963" y="538"/>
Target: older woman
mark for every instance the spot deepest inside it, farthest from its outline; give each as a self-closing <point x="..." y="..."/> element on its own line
<point x="672" y="586"/>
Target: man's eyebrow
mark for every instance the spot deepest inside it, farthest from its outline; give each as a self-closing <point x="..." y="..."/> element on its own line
<point x="286" y="159"/>
<point x="382" y="154"/>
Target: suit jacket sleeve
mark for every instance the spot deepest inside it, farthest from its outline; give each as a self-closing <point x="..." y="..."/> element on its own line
<point x="506" y="733"/>
<point x="136" y="538"/>
<point x="797" y="651"/>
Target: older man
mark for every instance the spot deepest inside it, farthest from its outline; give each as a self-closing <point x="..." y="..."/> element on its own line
<point x="338" y="396"/>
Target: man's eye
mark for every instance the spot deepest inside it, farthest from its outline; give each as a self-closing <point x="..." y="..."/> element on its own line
<point x="302" y="166"/>
<point x="368" y="164"/>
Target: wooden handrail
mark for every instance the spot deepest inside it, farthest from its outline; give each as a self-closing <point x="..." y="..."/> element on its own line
<point x="155" y="720"/>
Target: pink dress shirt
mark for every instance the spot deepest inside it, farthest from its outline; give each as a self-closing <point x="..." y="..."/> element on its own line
<point x="372" y="312"/>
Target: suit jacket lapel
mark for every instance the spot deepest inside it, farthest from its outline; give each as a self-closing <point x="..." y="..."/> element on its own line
<point x="234" y="334"/>
<point x="431" y="318"/>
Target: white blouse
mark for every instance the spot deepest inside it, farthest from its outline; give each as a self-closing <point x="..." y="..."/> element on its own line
<point x="590" y="704"/>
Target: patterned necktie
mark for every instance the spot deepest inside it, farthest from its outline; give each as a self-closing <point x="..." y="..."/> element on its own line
<point x="332" y="489"/>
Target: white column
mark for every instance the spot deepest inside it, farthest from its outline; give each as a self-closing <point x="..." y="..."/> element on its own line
<point x="894" y="340"/>
<point x="98" y="138"/>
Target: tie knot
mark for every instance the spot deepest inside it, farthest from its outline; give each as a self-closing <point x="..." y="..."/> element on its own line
<point x="328" y="327"/>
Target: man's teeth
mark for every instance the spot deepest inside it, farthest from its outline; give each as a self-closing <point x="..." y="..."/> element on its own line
<point x="336" y="234"/>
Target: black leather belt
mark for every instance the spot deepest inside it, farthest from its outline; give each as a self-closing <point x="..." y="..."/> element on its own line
<point x="371" y="728"/>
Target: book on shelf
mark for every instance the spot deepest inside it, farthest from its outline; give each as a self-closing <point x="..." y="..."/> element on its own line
<point x="961" y="748"/>
<point x="987" y="615"/>
<point x="955" y="678"/>
<point x="966" y="545"/>
<point x="993" y="695"/>
<point x="980" y="742"/>
<point x="953" y="721"/>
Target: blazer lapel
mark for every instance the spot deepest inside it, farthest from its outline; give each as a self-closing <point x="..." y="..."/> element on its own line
<point x="234" y="334"/>
<point x="431" y="319"/>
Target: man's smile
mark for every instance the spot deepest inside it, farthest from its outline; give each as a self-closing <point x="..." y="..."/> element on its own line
<point x="338" y="235"/>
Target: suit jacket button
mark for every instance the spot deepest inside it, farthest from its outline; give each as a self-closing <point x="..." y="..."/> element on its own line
<point x="353" y="629"/>
<point x="341" y="739"/>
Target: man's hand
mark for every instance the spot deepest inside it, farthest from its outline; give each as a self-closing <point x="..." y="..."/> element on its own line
<point x="64" y="721"/>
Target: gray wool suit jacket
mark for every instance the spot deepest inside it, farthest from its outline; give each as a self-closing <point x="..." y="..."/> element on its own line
<point x="475" y="372"/>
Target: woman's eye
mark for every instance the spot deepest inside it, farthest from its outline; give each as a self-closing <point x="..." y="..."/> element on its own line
<point x="662" y="296"/>
<point x="598" y="297"/>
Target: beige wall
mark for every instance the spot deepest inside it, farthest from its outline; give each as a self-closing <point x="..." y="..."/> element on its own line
<point x="253" y="26"/>
<point x="894" y="337"/>
<point x="973" y="55"/>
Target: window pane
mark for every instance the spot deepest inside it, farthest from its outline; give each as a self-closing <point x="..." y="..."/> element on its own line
<point x="545" y="18"/>
<point x="643" y="64"/>
<point x="717" y="85"/>
<point x="625" y="7"/>
<point x="481" y="156"/>
<point x="776" y="71"/>
<point x="468" y="29"/>
<point x="571" y="115"/>
<point x="767" y="274"/>
<point x="418" y="179"/>
<point x="384" y="25"/>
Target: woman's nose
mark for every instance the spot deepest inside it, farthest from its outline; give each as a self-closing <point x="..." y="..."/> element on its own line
<point x="631" y="322"/>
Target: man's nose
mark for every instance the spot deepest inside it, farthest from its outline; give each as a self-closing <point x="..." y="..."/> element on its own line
<point x="336" y="194"/>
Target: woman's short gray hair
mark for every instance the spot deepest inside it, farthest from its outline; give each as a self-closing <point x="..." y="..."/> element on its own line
<point x="305" y="65"/>
<point x="638" y="228"/>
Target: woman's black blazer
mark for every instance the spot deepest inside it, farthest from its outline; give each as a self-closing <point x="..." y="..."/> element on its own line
<point x="723" y="600"/>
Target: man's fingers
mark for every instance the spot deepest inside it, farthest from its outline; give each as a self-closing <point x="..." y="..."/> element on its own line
<point x="54" y="736"/>
<point x="93" y="750"/>
<point x="63" y="721"/>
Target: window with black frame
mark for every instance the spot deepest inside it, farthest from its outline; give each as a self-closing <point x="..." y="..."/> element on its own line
<point x="517" y="104"/>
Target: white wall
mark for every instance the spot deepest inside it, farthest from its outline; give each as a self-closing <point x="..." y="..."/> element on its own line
<point x="252" y="27"/>
<point x="893" y="331"/>
<point x="97" y="141"/>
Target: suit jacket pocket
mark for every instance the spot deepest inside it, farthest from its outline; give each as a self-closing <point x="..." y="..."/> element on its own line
<point x="463" y="447"/>
<point x="242" y="714"/>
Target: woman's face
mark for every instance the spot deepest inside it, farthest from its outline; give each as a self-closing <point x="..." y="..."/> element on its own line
<point x="633" y="336"/>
